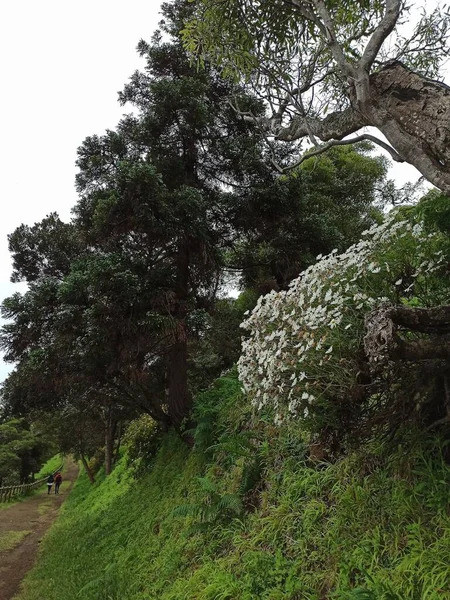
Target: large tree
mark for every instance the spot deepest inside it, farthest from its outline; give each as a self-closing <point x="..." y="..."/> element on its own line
<point x="329" y="69"/>
<point x="324" y="204"/>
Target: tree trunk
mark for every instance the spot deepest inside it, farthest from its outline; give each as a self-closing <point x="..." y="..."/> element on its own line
<point x="178" y="396"/>
<point x="413" y="112"/>
<point x="119" y="439"/>
<point x="383" y="343"/>
<point x="87" y="469"/>
<point x="110" y="428"/>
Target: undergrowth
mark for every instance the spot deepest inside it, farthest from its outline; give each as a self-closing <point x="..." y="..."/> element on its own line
<point x="246" y="516"/>
<point x="50" y="466"/>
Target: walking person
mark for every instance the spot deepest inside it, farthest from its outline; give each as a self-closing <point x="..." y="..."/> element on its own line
<point x="58" y="481"/>
<point x="50" y="481"/>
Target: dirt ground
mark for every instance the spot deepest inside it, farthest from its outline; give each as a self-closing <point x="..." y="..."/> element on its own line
<point x="28" y="521"/>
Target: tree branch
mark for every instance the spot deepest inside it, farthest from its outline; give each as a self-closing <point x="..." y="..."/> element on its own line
<point x="337" y="126"/>
<point x="331" y="39"/>
<point x="383" y="344"/>
<point x="383" y="30"/>
<point x="347" y="142"/>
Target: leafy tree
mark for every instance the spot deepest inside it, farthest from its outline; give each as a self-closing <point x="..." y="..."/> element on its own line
<point x="152" y="193"/>
<point x="328" y="69"/>
<point x="325" y="204"/>
<point x="44" y="250"/>
<point x="22" y="451"/>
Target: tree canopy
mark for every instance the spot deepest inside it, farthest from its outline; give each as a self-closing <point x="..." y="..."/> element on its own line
<point x="329" y="69"/>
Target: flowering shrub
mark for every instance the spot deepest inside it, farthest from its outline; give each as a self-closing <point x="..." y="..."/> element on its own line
<point x="304" y="355"/>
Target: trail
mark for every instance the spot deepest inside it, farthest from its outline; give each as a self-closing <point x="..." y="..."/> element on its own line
<point x="22" y="527"/>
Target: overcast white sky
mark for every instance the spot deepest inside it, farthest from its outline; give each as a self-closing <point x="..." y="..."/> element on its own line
<point x="62" y="64"/>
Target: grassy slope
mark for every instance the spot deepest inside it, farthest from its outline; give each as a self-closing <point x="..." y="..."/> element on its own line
<point x="363" y="528"/>
<point x="50" y="466"/>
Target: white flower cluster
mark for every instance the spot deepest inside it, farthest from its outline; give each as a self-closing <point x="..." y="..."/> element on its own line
<point x="302" y="342"/>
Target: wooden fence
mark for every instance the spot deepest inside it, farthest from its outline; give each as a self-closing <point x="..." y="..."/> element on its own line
<point x="13" y="491"/>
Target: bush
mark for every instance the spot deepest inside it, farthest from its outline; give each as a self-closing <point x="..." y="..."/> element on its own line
<point x="304" y="356"/>
<point x="141" y="440"/>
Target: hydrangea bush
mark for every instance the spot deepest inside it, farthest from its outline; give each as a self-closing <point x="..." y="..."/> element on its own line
<point x="303" y="357"/>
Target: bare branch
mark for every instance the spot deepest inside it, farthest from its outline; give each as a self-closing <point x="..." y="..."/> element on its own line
<point x="336" y="125"/>
<point x="321" y="149"/>
<point x="384" y="29"/>
<point x="331" y="38"/>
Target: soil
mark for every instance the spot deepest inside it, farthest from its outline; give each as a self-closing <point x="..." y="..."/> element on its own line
<point x="34" y="514"/>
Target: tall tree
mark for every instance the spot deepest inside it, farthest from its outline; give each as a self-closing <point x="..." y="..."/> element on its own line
<point x="155" y="192"/>
<point x="329" y="69"/>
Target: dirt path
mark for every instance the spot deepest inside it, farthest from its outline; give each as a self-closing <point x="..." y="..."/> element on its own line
<point x="22" y="527"/>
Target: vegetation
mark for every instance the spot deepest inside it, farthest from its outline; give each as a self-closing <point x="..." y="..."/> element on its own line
<point x="327" y="69"/>
<point x="10" y="539"/>
<point x="124" y="314"/>
<point x="23" y="448"/>
<point x="374" y="524"/>
<point x="309" y="459"/>
<point x="50" y="466"/>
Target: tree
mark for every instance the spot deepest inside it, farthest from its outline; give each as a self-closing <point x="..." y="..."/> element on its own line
<point x="22" y="451"/>
<point x="45" y="249"/>
<point x="329" y="69"/>
<point x="108" y="327"/>
<point x="156" y="193"/>
<point x="324" y="204"/>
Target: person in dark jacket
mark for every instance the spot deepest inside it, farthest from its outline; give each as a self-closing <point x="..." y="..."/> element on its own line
<point x="50" y="481"/>
<point x="58" y="481"/>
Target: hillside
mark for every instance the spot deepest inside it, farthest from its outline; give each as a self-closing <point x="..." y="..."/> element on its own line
<point x="364" y="527"/>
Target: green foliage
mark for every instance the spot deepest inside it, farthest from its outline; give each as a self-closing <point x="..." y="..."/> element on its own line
<point x="50" y="466"/>
<point x="434" y="209"/>
<point x="325" y="204"/>
<point x="373" y="526"/>
<point x="22" y="451"/>
<point x="213" y="507"/>
<point x="141" y="440"/>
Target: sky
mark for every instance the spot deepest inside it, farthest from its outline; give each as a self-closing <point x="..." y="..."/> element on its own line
<point x="61" y="66"/>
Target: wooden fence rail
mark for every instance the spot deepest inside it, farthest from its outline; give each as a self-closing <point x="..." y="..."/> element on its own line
<point x="12" y="491"/>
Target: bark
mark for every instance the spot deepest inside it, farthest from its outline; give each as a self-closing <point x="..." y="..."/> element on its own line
<point x="412" y="112"/>
<point x="383" y="343"/>
<point x="87" y="469"/>
<point x="119" y="440"/>
<point x="178" y="395"/>
<point x="110" y="429"/>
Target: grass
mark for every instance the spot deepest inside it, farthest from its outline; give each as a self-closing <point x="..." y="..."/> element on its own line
<point x="11" y="539"/>
<point x="374" y="526"/>
<point x="50" y="466"/>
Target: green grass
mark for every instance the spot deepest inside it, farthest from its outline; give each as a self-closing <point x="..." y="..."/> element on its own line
<point x="11" y="539"/>
<point x="50" y="466"/>
<point x="374" y="526"/>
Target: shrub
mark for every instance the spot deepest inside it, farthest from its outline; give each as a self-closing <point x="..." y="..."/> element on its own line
<point x="304" y="357"/>
<point x="141" y="439"/>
